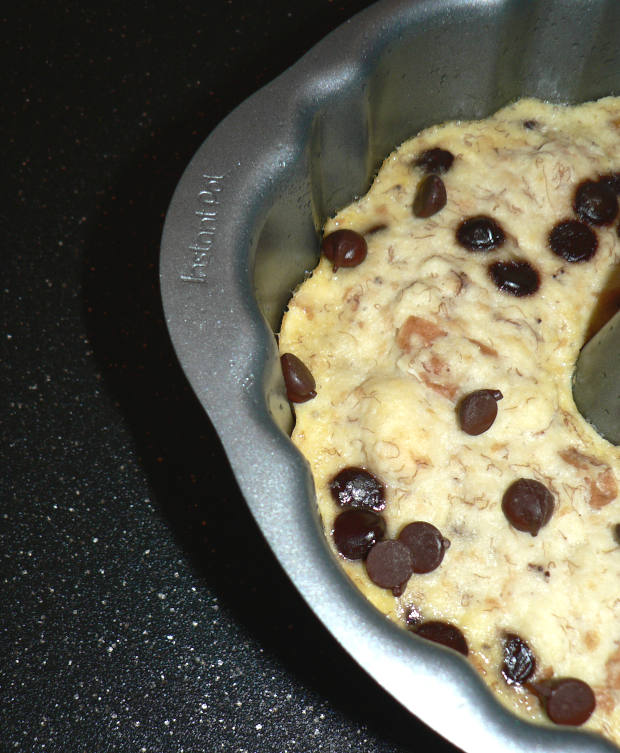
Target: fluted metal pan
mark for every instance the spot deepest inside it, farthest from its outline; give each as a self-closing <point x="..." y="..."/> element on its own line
<point x="243" y="228"/>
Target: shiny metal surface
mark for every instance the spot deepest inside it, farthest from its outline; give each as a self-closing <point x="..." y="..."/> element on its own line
<point x="243" y="229"/>
<point x="596" y="381"/>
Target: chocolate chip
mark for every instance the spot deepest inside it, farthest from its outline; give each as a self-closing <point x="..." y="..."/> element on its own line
<point x="356" y="531"/>
<point x="299" y="382"/>
<point x="435" y="160"/>
<point x="477" y="411"/>
<point x="519" y="278"/>
<point x="574" y="241"/>
<point x="530" y="124"/>
<point x="480" y="234"/>
<point x="527" y="505"/>
<point x="519" y="661"/>
<point x="595" y="202"/>
<point x="616" y="533"/>
<point x="430" y="196"/>
<point x="357" y="487"/>
<point x="444" y="633"/>
<point x="566" y="701"/>
<point x="426" y="544"/>
<point x="389" y="565"/>
<point x="612" y="180"/>
<point x="344" y="248"/>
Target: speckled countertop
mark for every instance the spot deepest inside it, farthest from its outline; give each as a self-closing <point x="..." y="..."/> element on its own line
<point x="141" y="610"/>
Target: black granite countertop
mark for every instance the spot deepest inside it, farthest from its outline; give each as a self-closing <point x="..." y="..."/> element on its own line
<point x="141" y="610"/>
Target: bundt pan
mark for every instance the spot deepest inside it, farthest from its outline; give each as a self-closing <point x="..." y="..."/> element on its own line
<point x="243" y="229"/>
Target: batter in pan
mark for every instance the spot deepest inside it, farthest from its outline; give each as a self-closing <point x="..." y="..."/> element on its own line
<point x="429" y="357"/>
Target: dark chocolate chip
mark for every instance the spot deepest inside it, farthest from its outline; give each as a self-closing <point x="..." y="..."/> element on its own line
<point x="595" y="202"/>
<point x="530" y="124"/>
<point x="435" y="160"/>
<point x="566" y="701"/>
<point x="573" y="240"/>
<point x="357" y="487"/>
<point x="519" y="278"/>
<point x="430" y="196"/>
<point x="426" y="544"/>
<point x="389" y="565"/>
<point x="527" y="505"/>
<point x="444" y="633"/>
<point x="519" y="661"/>
<point x="356" y="531"/>
<point x="612" y="180"/>
<point x="344" y="248"/>
<point x="299" y="382"/>
<point x="616" y="533"/>
<point x="477" y="411"/>
<point x="480" y="234"/>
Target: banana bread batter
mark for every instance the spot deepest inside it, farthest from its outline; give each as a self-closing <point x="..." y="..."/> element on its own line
<point x="429" y="357"/>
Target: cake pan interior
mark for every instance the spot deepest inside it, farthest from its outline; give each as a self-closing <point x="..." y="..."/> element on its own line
<point x="432" y="62"/>
<point x="243" y="230"/>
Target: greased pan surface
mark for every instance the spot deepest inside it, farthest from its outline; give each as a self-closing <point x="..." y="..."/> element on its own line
<point x="243" y="227"/>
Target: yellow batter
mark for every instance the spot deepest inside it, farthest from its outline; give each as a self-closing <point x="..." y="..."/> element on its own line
<point x="394" y="344"/>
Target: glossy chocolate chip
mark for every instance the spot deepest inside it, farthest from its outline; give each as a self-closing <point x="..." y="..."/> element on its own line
<point x="518" y="278"/>
<point x="430" y="196"/>
<point x="573" y="240"/>
<point x="435" y="160"/>
<point x="426" y="544"/>
<point x="480" y="234"/>
<point x="477" y="411"/>
<point x="519" y="662"/>
<point x="616" y="533"/>
<point x="299" y="382"/>
<point x="528" y="505"/>
<point x="567" y="700"/>
<point x="356" y="531"/>
<point x="444" y="633"/>
<point x="389" y="565"/>
<point x="357" y="487"/>
<point x="344" y="248"/>
<point x="595" y="202"/>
